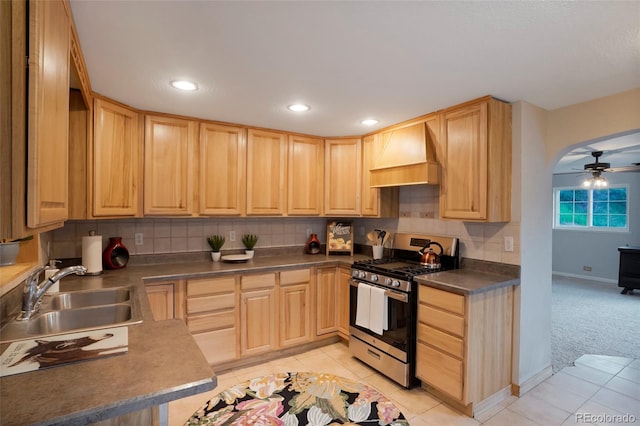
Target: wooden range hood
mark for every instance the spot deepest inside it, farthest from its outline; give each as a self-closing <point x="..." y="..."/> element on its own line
<point x="407" y="157"/>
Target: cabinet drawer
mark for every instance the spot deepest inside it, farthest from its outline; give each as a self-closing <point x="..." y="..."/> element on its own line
<point x="252" y="282"/>
<point x="439" y="370"/>
<point x="295" y="277"/>
<point x="201" y="286"/>
<point x="200" y="323"/>
<point x="217" y="346"/>
<point x="211" y="303"/>
<point x="441" y="299"/>
<point x="448" y="343"/>
<point x="443" y="320"/>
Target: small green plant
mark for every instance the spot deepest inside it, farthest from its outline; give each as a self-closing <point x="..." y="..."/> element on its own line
<point x="216" y="242"/>
<point x="249" y="241"/>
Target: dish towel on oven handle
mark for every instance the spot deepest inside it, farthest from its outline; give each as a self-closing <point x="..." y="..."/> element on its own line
<point x="363" y="305"/>
<point x="378" y="314"/>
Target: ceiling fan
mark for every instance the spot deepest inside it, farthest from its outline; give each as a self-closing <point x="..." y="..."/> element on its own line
<point x="597" y="168"/>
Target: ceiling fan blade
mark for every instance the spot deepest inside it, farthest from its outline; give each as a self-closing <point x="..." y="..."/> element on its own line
<point x="632" y="169"/>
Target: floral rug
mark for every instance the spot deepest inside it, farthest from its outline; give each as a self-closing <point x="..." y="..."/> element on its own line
<point x="291" y="399"/>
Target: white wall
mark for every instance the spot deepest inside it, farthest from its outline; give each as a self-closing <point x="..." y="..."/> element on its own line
<point x="532" y="325"/>
<point x="573" y="249"/>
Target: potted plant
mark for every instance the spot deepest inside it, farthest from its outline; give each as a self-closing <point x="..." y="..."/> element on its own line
<point x="215" y="242"/>
<point x="249" y="241"/>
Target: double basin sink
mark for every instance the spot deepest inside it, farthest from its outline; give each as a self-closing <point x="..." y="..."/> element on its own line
<point x="77" y="311"/>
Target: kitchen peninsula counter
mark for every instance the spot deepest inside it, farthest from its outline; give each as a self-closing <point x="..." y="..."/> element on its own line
<point x="163" y="362"/>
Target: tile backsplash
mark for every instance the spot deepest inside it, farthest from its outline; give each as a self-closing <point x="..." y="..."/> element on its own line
<point x="419" y="213"/>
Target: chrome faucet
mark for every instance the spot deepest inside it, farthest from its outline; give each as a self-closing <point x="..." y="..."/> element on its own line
<point x="33" y="292"/>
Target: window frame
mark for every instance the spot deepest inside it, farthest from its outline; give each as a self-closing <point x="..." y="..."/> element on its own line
<point x="589" y="227"/>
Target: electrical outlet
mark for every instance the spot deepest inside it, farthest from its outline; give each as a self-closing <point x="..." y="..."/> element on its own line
<point x="586" y="268"/>
<point x="361" y="231"/>
<point x="232" y="235"/>
<point x="139" y="238"/>
<point x="508" y="243"/>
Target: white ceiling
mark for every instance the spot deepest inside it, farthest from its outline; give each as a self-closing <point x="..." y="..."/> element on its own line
<point x="390" y="60"/>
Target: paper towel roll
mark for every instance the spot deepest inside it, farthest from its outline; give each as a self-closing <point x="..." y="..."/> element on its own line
<point x="92" y="254"/>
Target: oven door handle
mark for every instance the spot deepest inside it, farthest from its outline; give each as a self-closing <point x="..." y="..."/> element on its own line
<point x="402" y="297"/>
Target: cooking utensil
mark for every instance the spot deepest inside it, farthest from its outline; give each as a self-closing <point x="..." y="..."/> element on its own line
<point x="381" y="236"/>
<point x="371" y="236"/>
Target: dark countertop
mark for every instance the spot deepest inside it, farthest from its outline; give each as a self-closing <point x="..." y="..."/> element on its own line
<point x="147" y="375"/>
<point x="467" y="281"/>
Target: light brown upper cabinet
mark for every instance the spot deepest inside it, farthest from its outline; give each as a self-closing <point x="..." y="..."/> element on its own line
<point x="222" y="170"/>
<point x="306" y="176"/>
<point x="343" y="165"/>
<point x="377" y="202"/>
<point x="169" y="166"/>
<point x="48" y="113"/>
<point x="266" y="172"/>
<point x="476" y="146"/>
<point x="116" y="167"/>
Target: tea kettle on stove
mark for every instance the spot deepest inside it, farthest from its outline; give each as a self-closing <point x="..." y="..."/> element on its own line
<point x="429" y="258"/>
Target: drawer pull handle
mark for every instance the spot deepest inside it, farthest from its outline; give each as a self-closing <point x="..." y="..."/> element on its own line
<point x="373" y="354"/>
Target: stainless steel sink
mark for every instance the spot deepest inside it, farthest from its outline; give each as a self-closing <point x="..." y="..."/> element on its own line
<point x="77" y="311"/>
<point x="83" y="299"/>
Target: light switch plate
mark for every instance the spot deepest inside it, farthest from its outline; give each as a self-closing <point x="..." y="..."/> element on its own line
<point x="508" y="243"/>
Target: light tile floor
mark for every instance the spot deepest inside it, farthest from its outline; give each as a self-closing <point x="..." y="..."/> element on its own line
<point x="597" y="390"/>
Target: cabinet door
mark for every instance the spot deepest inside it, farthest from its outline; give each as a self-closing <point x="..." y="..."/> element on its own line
<point x="169" y="167"/>
<point x="258" y="321"/>
<point x="306" y="176"/>
<point x="328" y="311"/>
<point x="48" y="114"/>
<point x="465" y="180"/>
<point x="116" y="161"/>
<point x="343" y="165"/>
<point x="370" y="196"/>
<point x="295" y="318"/>
<point x="266" y="172"/>
<point x="344" y="278"/>
<point x="222" y="170"/>
<point x="162" y="300"/>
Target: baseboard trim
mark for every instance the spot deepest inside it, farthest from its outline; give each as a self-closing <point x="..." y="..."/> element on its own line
<point x="585" y="277"/>
<point x="531" y="382"/>
<point x="491" y="402"/>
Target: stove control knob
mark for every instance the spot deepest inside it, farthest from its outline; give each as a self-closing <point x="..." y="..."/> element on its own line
<point x="395" y="283"/>
<point x="374" y="278"/>
<point x="354" y="273"/>
<point x="362" y="274"/>
<point x="387" y="281"/>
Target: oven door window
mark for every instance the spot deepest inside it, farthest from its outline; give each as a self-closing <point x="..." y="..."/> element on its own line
<point x="398" y="313"/>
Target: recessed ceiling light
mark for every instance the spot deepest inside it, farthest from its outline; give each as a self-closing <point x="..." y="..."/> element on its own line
<point x="369" y="122"/>
<point x="299" y="108"/>
<point x="184" y="85"/>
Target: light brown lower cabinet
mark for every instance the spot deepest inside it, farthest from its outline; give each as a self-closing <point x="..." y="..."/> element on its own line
<point x="295" y="307"/>
<point x="344" y="277"/>
<point x="212" y="317"/>
<point x="239" y="316"/>
<point x="464" y="343"/>
<point x="258" y="314"/>
<point x="164" y="298"/>
<point x="327" y="307"/>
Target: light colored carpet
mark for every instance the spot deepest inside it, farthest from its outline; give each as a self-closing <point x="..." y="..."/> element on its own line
<point x="589" y="317"/>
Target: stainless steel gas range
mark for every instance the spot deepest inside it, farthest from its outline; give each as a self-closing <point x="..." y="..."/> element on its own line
<point x="383" y="304"/>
